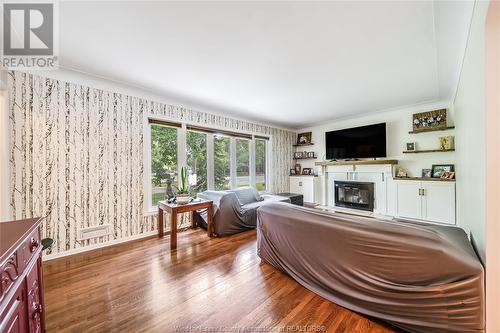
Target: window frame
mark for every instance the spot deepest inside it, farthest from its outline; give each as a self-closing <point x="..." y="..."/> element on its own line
<point x="267" y="173"/>
<point x="182" y="128"/>
<point x="232" y="162"/>
<point x="206" y="147"/>
<point x="148" y="186"/>
<point x="250" y="148"/>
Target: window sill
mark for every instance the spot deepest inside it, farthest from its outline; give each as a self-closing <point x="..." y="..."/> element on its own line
<point x="151" y="211"/>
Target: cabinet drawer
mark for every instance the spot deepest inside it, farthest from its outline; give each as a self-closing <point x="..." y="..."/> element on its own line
<point x="29" y="248"/>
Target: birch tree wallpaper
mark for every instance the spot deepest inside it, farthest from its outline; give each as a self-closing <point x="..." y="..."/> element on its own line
<point x="77" y="157"/>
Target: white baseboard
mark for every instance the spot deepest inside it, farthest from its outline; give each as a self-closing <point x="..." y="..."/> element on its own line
<point x="97" y="246"/>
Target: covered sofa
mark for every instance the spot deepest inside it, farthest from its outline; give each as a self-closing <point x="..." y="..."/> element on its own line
<point x="421" y="278"/>
<point x="235" y="210"/>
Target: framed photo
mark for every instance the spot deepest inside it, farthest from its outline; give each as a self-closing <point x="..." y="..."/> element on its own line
<point x="298" y="154"/>
<point x="411" y="146"/>
<point x="307" y="171"/>
<point x="439" y="169"/>
<point x="426" y="173"/>
<point x="310" y="154"/>
<point x="292" y="172"/>
<point x="298" y="168"/>
<point x="448" y="175"/>
<point x="304" y="138"/>
<point x="425" y="121"/>
<point x="446" y="142"/>
<point x="401" y="173"/>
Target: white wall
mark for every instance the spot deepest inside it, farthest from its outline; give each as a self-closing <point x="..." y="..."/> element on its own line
<point x="399" y="123"/>
<point x="470" y="142"/>
<point x="451" y="26"/>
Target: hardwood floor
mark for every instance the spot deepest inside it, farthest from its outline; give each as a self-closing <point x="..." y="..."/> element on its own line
<point x="206" y="283"/>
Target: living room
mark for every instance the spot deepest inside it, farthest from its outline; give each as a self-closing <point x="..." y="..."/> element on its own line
<point x="251" y="166"/>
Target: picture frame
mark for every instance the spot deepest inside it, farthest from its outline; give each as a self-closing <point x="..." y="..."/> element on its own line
<point x="439" y="169"/>
<point x="430" y="120"/>
<point x="307" y="171"/>
<point x="448" y="175"/>
<point x="304" y="138"/>
<point x="447" y="142"/>
<point x="292" y="172"/>
<point x="426" y="173"/>
<point x="411" y="146"/>
<point x="401" y="173"/>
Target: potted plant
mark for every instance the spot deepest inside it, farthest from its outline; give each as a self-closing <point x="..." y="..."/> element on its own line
<point x="182" y="196"/>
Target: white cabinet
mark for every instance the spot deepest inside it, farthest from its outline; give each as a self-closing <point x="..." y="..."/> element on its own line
<point x="409" y="200"/>
<point x="308" y="186"/>
<point x="431" y="201"/>
<point x="439" y="203"/>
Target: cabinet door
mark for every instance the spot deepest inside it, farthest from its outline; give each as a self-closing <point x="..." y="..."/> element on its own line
<point x="304" y="186"/>
<point x="35" y="310"/>
<point x="294" y="184"/>
<point x="438" y="202"/>
<point x="409" y="203"/>
<point x="307" y="186"/>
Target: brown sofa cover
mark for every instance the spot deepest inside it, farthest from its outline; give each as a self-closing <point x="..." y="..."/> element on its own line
<point x="421" y="278"/>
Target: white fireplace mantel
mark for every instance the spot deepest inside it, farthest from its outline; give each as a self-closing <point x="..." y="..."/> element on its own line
<point x="379" y="172"/>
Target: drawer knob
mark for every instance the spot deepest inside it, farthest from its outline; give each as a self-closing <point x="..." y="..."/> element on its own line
<point x="34" y="244"/>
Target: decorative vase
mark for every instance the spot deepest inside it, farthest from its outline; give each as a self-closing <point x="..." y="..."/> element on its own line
<point x="182" y="199"/>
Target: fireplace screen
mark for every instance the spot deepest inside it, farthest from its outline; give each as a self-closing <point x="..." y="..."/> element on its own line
<point x="354" y="195"/>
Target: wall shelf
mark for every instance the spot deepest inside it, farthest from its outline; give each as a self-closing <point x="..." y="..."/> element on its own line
<point x="306" y="158"/>
<point x="431" y="130"/>
<point x="362" y="162"/>
<point x="303" y="145"/>
<point x="428" y="151"/>
<point x="428" y="179"/>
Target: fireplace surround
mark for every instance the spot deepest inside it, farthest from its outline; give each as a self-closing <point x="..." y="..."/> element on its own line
<point x="355" y="195"/>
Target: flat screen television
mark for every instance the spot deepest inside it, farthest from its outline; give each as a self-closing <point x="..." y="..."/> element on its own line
<point x="358" y="142"/>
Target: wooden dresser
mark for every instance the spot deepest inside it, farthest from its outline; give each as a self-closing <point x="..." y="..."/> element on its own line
<point x="21" y="288"/>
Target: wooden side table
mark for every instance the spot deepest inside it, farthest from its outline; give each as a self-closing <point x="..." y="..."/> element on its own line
<point x="174" y="209"/>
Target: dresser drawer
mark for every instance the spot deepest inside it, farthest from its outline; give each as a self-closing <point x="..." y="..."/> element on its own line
<point x="29" y="248"/>
<point x="15" y="265"/>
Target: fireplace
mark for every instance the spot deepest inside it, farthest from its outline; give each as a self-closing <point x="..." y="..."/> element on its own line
<point x="356" y="195"/>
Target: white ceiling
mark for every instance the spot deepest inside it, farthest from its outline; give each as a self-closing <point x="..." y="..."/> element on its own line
<point x="287" y="63"/>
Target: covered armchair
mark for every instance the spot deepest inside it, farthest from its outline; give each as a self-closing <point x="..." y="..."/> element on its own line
<point x="235" y="210"/>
